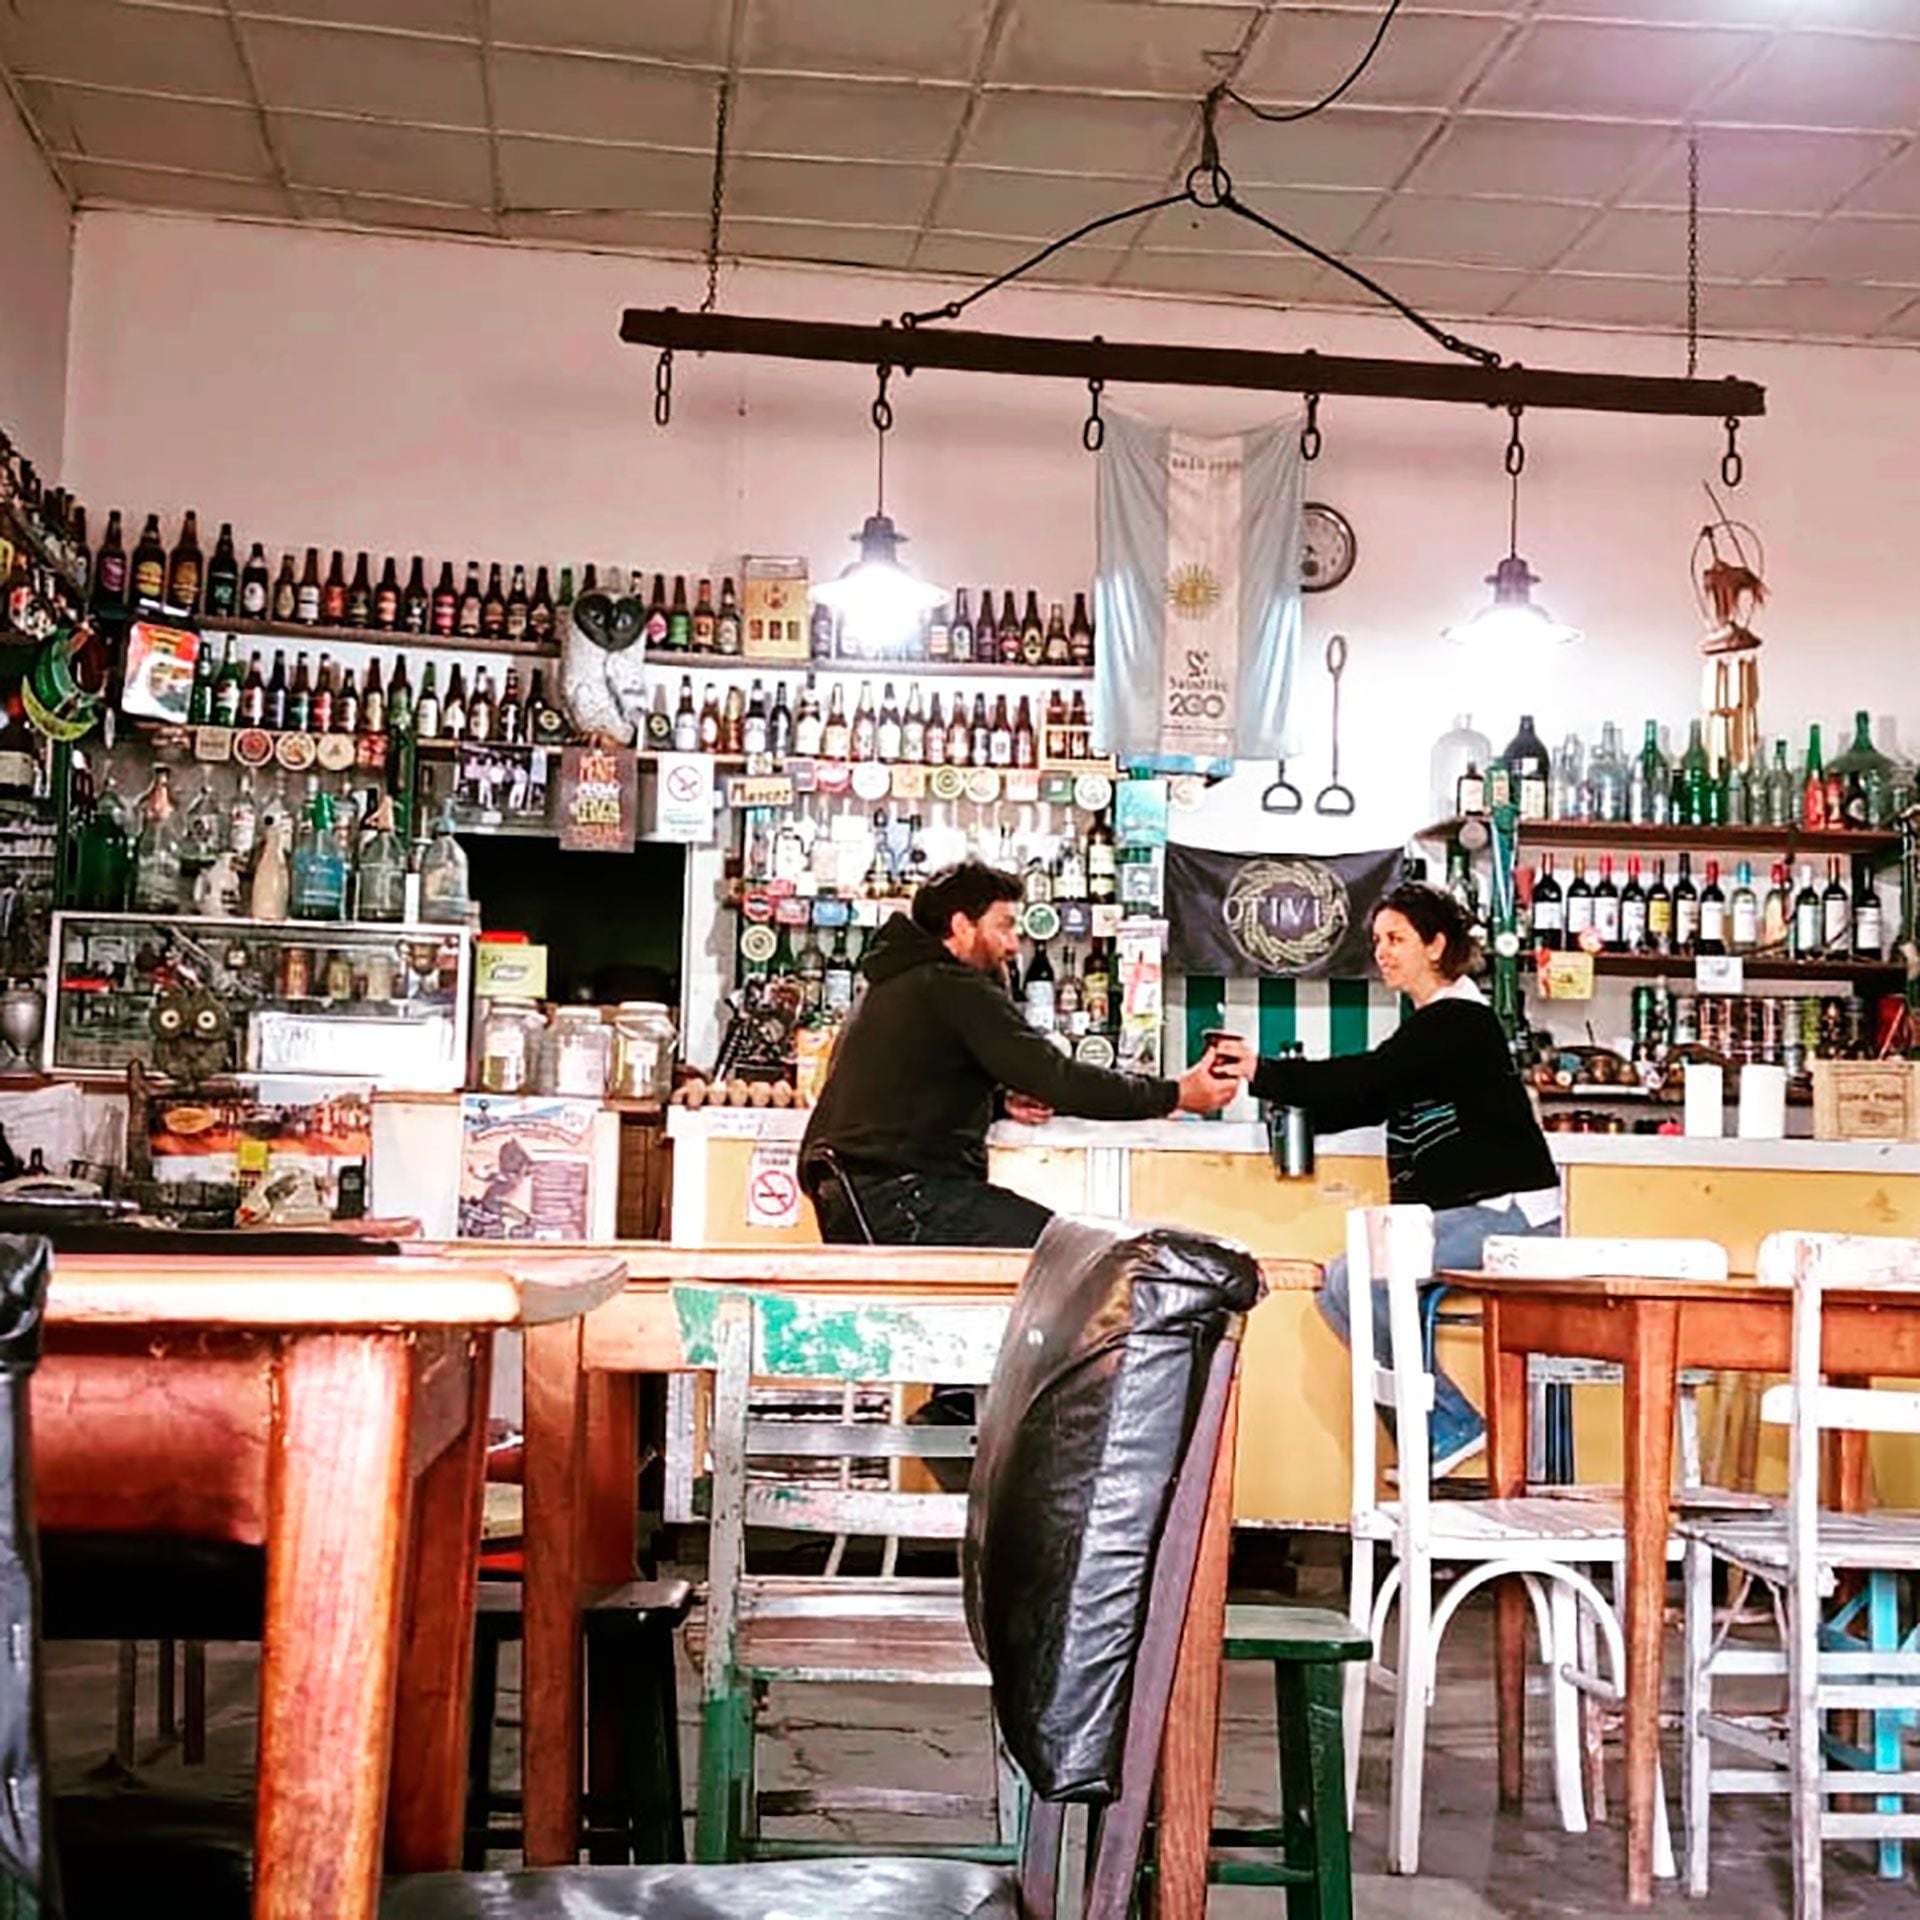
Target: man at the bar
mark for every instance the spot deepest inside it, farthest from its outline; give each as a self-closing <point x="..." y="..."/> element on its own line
<point x="896" y="1150"/>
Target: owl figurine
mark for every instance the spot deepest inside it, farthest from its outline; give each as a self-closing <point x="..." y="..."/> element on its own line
<point x="603" y="667"/>
<point x="192" y="1035"/>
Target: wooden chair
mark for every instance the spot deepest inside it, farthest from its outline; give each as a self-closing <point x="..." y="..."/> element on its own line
<point x="1800" y="1553"/>
<point x="765" y="1630"/>
<point x="1549" y="1542"/>
<point x="1076" y="1650"/>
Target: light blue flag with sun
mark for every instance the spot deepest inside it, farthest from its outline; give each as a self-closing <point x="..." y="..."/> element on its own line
<point x="1196" y="593"/>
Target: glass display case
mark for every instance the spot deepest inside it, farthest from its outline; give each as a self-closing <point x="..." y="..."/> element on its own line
<point x="195" y="998"/>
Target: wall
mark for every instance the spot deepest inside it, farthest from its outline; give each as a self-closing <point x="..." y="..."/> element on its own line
<point x="462" y="399"/>
<point x="38" y="225"/>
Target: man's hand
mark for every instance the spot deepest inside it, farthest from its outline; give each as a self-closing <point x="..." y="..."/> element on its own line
<point x="1028" y="1111"/>
<point x="1206" y="1087"/>
<point x="1232" y="1058"/>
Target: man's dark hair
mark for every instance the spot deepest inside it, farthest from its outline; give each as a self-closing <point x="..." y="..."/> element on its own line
<point x="970" y="888"/>
<point x="1432" y="912"/>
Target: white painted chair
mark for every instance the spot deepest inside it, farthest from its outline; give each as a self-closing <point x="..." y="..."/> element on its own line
<point x="1797" y="1552"/>
<point x="1549" y="1542"/>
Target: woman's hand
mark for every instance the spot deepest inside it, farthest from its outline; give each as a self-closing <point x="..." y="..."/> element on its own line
<point x="1028" y="1111"/>
<point x="1230" y="1057"/>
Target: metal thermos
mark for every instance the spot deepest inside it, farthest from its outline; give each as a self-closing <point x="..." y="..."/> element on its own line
<point x="1290" y="1141"/>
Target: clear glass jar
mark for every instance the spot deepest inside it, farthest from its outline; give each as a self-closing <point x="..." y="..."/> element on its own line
<point x="509" y="1046"/>
<point x="579" y="1053"/>
<point x="643" y="1050"/>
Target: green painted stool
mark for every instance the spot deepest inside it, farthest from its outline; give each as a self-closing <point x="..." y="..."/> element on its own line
<point x="1308" y="1851"/>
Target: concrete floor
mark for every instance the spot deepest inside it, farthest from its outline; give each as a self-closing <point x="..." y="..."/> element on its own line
<point x="1477" y="1862"/>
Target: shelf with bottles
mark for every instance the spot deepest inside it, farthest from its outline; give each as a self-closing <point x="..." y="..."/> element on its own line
<point x="1791" y="841"/>
<point x="870" y="666"/>
<point x="200" y="996"/>
<point x="1753" y="965"/>
<point x="540" y="653"/>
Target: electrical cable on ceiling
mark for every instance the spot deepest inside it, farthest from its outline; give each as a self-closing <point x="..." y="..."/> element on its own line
<point x="1290" y="115"/>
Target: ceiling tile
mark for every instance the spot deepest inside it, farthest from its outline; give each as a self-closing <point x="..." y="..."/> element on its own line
<point x="98" y="181"/>
<point x="1904" y="325"/>
<point x="455" y="18"/>
<point x="1708" y="13"/>
<point x="1329" y="220"/>
<point x="1639" y="240"/>
<point x="694" y="30"/>
<point x="115" y="46"/>
<point x="1337" y="149"/>
<point x="1896" y="189"/>
<point x="358" y="154"/>
<point x="1886" y="251"/>
<point x="1829" y="80"/>
<point x="940" y="39"/>
<point x="1248" y="276"/>
<point x="845" y="119"/>
<point x="1062" y="133"/>
<point x="386" y="75"/>
<point x="1114" y="43"/>
<point x="1488" y="233"/>
<point x="1433" y="289"/>
<point x="601" y="99"/>
<point x="1032" y="206"/>
<point x="1425" y="60"/>
<point x="810" y="240"/>
<point x="1639" y="73"/>
<point x="1601" y="300"/>
<point x="1771" y="171"/>
<point x="977" y="257"/>
<point x="1565" y="159"/>
<point x="659" y="232"/>
<point x="1801" y="307"/>
<point x="834" y="190"/>
<point x="137" y="128"/>
<point x="372" y="210"/>
<point x="539" y="175"/>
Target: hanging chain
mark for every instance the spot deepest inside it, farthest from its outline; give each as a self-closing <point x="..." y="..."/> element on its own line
<point x="882" y="406"/>
<point x="1733" y="465"/>
<point x="719" y="192"/>
<point x="1516" y="457"/>
<point x="1693" y="254"/>
<point x="1310" y="440"/>
<point x="663" y="388"/>
<point x="1093" y="431"/>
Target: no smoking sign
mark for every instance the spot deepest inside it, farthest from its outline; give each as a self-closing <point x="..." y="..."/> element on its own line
<point x="773" y="1185"/>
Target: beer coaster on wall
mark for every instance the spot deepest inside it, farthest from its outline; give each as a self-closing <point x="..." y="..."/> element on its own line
<point x="983" y="785"/>
<point x="758" y="944"/>
<point x="1093" y="792"/>
<point x="949" y="783"/>
<point x="253" y="747"/>
<point x="295" y="751"/>
<point x="335" y="752"/>
<point x="1023" y="784"/>
<point x="872" y="781"/>
<point x="213" y="745"/>
<point x="1041" y="921"/>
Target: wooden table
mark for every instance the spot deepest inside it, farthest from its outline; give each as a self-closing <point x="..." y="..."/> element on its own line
<point x="580" y="1471"/>
<point x="333" y="1409"/>
<point x="1652" y="1328"/>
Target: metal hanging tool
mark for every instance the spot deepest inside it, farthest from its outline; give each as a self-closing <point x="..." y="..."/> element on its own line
<point x="1282" y="796"/>
<point x="1334" y="797"/>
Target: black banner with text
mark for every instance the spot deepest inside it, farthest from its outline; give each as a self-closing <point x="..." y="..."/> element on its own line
<point x="1299" y="915"/>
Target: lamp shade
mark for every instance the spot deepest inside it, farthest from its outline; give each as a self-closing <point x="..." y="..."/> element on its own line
<point x="1511" y="616"/>
<point x="879" y="604"/>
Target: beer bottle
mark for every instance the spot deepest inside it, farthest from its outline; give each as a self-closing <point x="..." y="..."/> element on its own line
<point x="836" y="737"/>
<point x="547" y="724"/>
<point x="150" y="563"/>
<point x="453" y="709"/>
<point x="1026" y="751"/>
<point x="980" y="745"/>
<point x="933" y="740"/>
<point x="253" y="694"/>
<point x="960" y="631"/>
<point x="703" y="619"/>
<point x="1079" y="727"/>
<point x="333" y="593"/>
<point x="1000" y="741"/>
<point x="1059" y="648"/>
<point x="286" y="591"/>
<point x="540" y="611"/>
<point x="227" y="689"/>
<point x="563" y="607"/>
<point x="223" y="577"/>
<point x="467" y="620"/>
<point x="493" y="609"/>
<point x="1080" y="633"/>
<point x="1009" y="631"/>
<point x="185" y="569"/>
<point x="679" y="620"/>
<point x="256" y="584"/>
<point x="275" y="715"/>
<point x="509" y="720"/>
<point x="110" y="571"/>
<point x="726" y="626"/>
<point x="416" y="604"/>
<point x="81" y="552"/>
<point x="519" y="605"/>
<point x="780" y="725"/>
<point x="346" y="707"/>
<point x="206" y="673"/>
<point x="480" y="708"/>
<point x="864" y="736"/>
<point x="373" y="701"/>
<point x="320" y="707"/>
<point x="733" y="722"/>
<point x="913" y="729"/>
<point x="400" y="698"/>
<point x="808" y="725"/>
<point x="360" y="596"/>
<point x="300" y="697"/>
<point x="887" y="733"/>
<point x="821" y="632"/>
<point x="446" y="602"/>
<point x="386" y="598"/>
<point x="986" y="632"/>
<point x="710" y="720"/>
<point x="1033" y="636"/>
<point x="1100" y="862"/>
<point x="657" y="623"/>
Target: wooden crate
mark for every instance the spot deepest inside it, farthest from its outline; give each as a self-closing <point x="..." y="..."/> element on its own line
<point x="1866" y="1099"/>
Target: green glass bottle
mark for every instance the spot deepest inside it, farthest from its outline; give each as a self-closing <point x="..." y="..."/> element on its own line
<point x="1696" y="781"/>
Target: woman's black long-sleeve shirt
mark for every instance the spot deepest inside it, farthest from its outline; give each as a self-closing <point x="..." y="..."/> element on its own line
<point x="1460" y="1128"/>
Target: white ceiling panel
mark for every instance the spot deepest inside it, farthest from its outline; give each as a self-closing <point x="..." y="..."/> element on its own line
<point x="843" y="246"/>
<point x="1529" y="234"/>
<point x="832" y="190"/>
<point x="1642" y="73"/>
<point x="939" y="39"/>
<point x="142" y="129"/>
<point x="112" y="185"/>
<point x="1340" y="148"/>
<point x="118" y="46"/>
<point x="1304" y="52"/>
<point x="1665" y="13"/>
<point x="1606" y="300"/>
<point x="1077" y="133"/>
<point x="1562" y="159"/>
<point x="1642" y="240"/>
<point x="1449" y="290"/>
<point x="407" y="216"/>
<point x="978" y="257"/>
<point x="1901" y="326"/>
<point x="845" y="119"/>
<point x="1800" y="308"/>
<point x="1035" y="206"/>
<point x="456" y="19"/>
<point x="654" y="232"/>
<point x="1253" y="276"/>
<point x="1120" y="44"/>
<point x="389" y="76"/>
<point x="1887" y="251"/>
<point x="1775" y="171"/>
<point x="1894" y="189"/>
<point x="357" y="155"/>
<point x="680" y="30"/>
<point x="566" y="175"/>
<point x="1829" y="80"/>
<point x="1330" y="220"/>
<point x="580" y="98"/>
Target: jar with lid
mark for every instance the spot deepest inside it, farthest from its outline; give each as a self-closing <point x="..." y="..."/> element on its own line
<point x="643" y="1050"/>
<point x="509" y="1046"/>
<point x="579" y="1053"/>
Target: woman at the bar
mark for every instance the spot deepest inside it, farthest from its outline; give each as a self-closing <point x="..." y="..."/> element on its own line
<point x="1461" y="1133"/>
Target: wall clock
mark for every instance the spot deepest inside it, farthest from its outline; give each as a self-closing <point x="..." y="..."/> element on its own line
<point x="1327" y="547"/>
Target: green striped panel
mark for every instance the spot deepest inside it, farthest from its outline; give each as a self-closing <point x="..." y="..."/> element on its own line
<point x="1279" y="1009"/>
<point x="1206" y="1007"/>
<point x="1347" y="1003"/>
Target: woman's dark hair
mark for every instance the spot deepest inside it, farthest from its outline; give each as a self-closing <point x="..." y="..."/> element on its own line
<point x="970" y="888"/>
<point x="1433" y="912"/>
